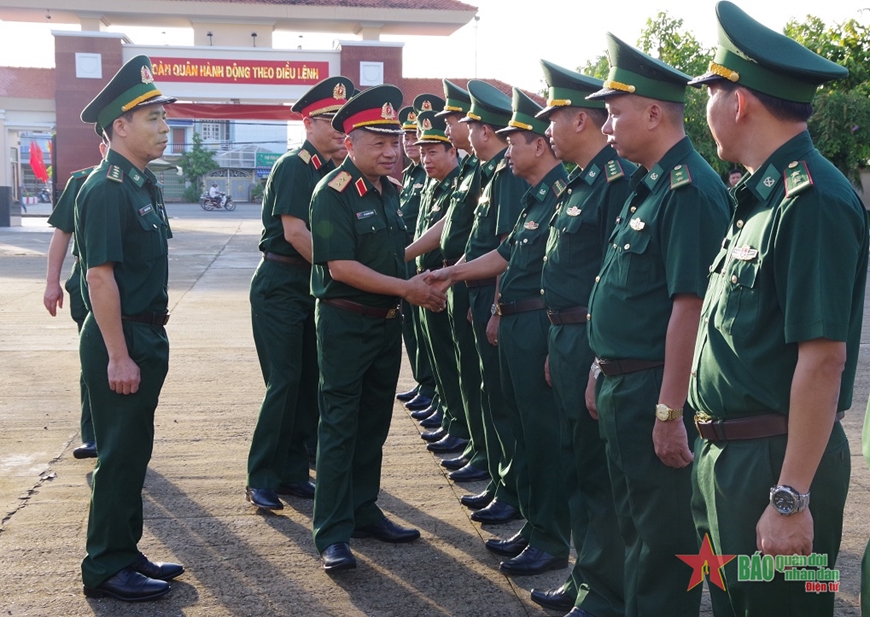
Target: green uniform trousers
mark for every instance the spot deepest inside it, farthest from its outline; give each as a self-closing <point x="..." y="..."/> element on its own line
<point x="469" y="373"/>
<point x="442" y="357"/>
<point x="124" y="428"/>
<point x="417" y="356"/>
<point x="282" y="316"/>
<point x="537" y="429"/>
<point x="78" y="311"/>
<point x="653" y="501"/>
<point x="359" y="359"/>
<point x="496" y="426"/>
<point x="732" y="483"/>
<point x="598" y="576"/>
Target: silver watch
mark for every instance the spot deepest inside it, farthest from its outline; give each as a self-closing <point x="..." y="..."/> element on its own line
<point x="788" y="501"/>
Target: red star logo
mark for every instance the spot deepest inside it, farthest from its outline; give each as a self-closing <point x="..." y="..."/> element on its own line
<point x="701" y="564"/>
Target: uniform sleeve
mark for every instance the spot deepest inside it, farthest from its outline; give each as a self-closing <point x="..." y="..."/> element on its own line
<point x="63" y="216"/>
<point x="291" y="186"/>
<point x="101" y="227"/>
<point x="509" y="199"/>
<point x="817" y="256"/>
<point x="695" y="222"/>
<point x="332" y="231"/>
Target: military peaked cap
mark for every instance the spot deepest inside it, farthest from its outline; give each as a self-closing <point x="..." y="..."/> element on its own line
<point x="568" y="89"/>
<point x="325" y="97"/>
<point x="524" y="112"/>
<point x="488" y="105"/>
<point x="432" y="129"/>
<point x="373" y="109"/>
<point x="458" y="100"/>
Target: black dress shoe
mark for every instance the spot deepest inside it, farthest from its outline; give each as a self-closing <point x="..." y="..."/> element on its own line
<point x="337" y="557"/>
<point x="434" y="435"/>
<point x="454" y="463"/>
<point x="448" y="443"/>
<point x="469" y="473"/>
<point x="386" y="530"/>
<point x="511" y="547"/>
<point x="130" y="586"/>
<point x="418" y="402"/>
<point x="263" y="498"/>
<point x="88" y="449"/>
<point x="476" y="502"/>
<point x="554" y="599"/>
<point x="407" y="396"/>
<point x="304" y="490"/>
<point x="433" y="421"/>
<point x="422" y="414"/>
<point x="496" y="512"/>
<point x="160" y="570"/>
<point x="532" y="561"/>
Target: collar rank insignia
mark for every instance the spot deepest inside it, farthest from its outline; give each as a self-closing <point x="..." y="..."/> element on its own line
<point x="542" y="192"/>
<point x="316" y="162"/>
<point x="559" y="187"/>
<point x="147" y="77"/>
<point x="769" y="181"/>
<point x="653" y="176"/>
<point x="427" y="105"/>
<point x="636" y="224"/>
<point x="573" y="211"/>
<point x="744" y="253"/>
<point x="340" y="182"/>
<point x="361" y="187"/>
<point x="797" y="178"/>
<point x="114" y="173"/>
<point x="680" y="176"/>
<point x="135" y="177"/>
<point x="339" y="92"/>
<point x="614" y="170"/>
<point x="305" y="155"/>
<point x="531" y="225"/>
<point x="387" y="112"/>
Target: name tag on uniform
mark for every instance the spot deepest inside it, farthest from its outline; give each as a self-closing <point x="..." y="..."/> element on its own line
<point x="365" y="214"/>
<point x="744" y="253"/>
<point x="145" y="210"/>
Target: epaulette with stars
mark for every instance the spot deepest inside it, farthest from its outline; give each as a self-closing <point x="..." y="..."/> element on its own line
<point x="340" y="182"/>
<point x="680" y="176"/>
<point x="115" y="173"/>
<point x="613" y="170"/>
<point x="559" y="187"/>
<point x="797" y="178"/>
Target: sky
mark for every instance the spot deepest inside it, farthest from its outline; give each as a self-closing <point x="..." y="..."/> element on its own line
<point x="506" y="43"/>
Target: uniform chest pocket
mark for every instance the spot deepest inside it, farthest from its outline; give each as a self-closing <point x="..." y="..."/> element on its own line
<point x="146" y="241"/>
<point x="635" y="265"/>
<point x="482" y="209"/>
<point x="368" y="222"/>
<point x="737" y="312"/>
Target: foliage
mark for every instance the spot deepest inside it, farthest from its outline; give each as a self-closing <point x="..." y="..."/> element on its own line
<point x="196" y="163"/>
<point x="192" y="194"/>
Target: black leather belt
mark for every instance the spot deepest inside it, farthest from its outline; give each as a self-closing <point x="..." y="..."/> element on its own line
<point x="750" y="427"/>
<point x="611" y="368"/>
<point x="362" y="309"/>
<point x="152" y="319"/>
<point x="297" y="262"/>
<point x="575" y="314"/>
<point x="520" y="306"/>
<point x="480" y="282"/>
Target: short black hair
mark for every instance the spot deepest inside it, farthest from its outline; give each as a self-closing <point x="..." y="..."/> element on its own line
<point x="734" y="170"/>
<point x="108" y="130"/>
<point x="781" y="109"/>
<point x="597" y="115"/>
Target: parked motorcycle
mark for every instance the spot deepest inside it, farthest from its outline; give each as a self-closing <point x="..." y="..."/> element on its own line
<point x="221" y="202"/>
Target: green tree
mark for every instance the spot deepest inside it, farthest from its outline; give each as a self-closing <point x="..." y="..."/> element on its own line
<point x="840" y="126"/>
<point x="195" y="164"/>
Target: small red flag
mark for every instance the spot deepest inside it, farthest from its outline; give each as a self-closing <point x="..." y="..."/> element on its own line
<point x="36" y="162"/>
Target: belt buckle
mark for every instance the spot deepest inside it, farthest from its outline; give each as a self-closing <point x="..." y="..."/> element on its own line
<point x="392" y="313"/>
<point x="498" y="308"/>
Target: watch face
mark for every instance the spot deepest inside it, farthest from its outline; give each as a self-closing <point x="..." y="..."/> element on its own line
<point x="783" y="501"/>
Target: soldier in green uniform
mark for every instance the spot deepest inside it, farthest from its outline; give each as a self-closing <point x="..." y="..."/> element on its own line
<point x="63" y="220"/>
<point x="282" y="307"/>
<point x="418" y="400"/>
<point x="642" y="317"/>
<point x="585" y="216"/>
<point x="542" y="543"/>
<point x="780" y="333"/>
<point x="358" y="243"/>
<point x="121" y="232"/>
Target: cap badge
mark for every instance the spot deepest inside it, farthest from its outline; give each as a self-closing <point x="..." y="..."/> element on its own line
<point x="147" y="77"/>
<point x="339" y="92"/>
<point x="387" y="112"/>
<point x="412" y="117"/>
<point x="427" y="124"/>
<point x="427" y="105"/>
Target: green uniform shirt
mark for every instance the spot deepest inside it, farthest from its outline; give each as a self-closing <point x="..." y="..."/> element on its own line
<point x="120" y="218"/>
<point x="498" y="208"/>
<point x="663" y="242"/>
<point x="792" y="268"/>
<point x="584" y="219"/>
<point x="351" y="220"/>
<point x="524" y="248"/>
<point x="413" y="180"/>
<point x="433" y="207"/>
<point x="288" y="191"/>
<point x="63" y="215"/>
<point x="460" y="213"/>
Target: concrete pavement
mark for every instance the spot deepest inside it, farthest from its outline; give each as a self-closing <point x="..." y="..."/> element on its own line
<point x="239" y="561"/>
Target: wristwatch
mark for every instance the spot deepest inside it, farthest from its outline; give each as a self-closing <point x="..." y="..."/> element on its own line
<point x="788" y="501"/>
<point x="666" y="414"/>
<point x="493" y="309"/>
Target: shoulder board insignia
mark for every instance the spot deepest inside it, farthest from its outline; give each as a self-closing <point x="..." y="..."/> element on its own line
<point x="305" y="155"/>
<point x="614" y="170"/>
<point x="501" y="165"/>
<point x="797" y="178"/>
<point x="316" y="162"/>
<point x="82" y="173"/>
<point x="394" y="181"/>
<point x="559" y="187"/>
<point x="114" y="173"/>
<point x="361" y="187"/>
<point x="340" y="182"/>
<point x="680" y="176"/>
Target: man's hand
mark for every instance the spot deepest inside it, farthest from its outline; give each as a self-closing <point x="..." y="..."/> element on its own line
<point x="53" y="298"/>
<point x="123" y="376"/>
<point x="547" y="370"/>
<point x="671" y="443"/>
<point x="776" y="534"/>
<point x="492" y="329"/>
<point x="440" y="279"/>
<point x="591" y="407"/>
<point x="418" y="292"/>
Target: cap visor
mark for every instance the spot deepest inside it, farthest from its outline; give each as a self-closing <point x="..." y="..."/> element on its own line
<point x="604" y="93"/>
<point x="511" y="129"/>
<point x="385" y="130"/>
<point x="706" y="78"/>
<point x="447" y="112"/>
<point x="546" y="111"/>
<point x="157" y="100"/>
